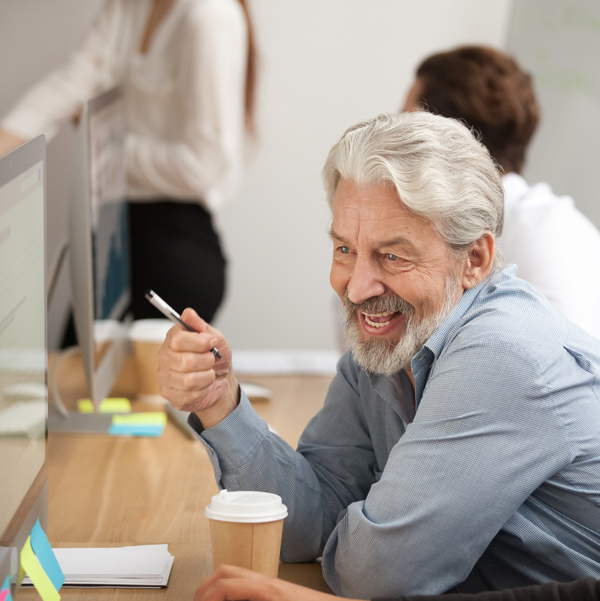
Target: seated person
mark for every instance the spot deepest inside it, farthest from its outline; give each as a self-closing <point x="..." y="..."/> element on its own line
<point x="230" y="583"/>
<point x="459" y="444"/>
<point x="490" y="92"/>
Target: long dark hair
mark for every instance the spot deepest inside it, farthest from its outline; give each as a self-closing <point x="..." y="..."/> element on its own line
<point x="251" y="73"/>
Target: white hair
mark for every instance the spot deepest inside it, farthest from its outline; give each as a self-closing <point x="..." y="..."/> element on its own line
<point x="439" y="169"/>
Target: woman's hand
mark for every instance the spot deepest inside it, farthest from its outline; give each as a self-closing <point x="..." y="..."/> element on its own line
<point x="191" y="378"/>
<point x="9" y="141"/>
<point x="230" y="583"/>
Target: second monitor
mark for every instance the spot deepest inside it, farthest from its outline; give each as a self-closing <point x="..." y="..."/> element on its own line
<point x="99" y="243"/>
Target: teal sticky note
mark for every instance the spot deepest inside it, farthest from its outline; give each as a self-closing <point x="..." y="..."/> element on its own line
<point x="45" y="555"/>
<point x="150" y="423"/>
<point x="136" y="430"/>
<point x="5" y="590"/>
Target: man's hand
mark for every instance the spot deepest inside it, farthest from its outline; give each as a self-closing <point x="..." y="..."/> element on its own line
<point x="229" y="583"/>
<point x="191" y="378"/>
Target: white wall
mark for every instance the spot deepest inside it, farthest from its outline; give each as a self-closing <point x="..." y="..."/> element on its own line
<point x="324" y="65"/>
<point x="559" y="43"/>
<point x="36" y="36"/>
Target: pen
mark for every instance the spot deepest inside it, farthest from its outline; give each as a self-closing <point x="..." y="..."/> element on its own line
<point x="169" y="312"/>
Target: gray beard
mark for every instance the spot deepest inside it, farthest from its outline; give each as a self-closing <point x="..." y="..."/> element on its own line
<point x="380" y="356"/>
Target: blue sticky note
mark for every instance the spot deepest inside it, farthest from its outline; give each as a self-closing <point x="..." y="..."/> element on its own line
<point x="136" y="430"/>
<point x="45" y="555"/>
<point x="5" y="590"/>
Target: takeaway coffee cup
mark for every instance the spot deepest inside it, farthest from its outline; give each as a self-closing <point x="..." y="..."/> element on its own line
<point x="245" y="529"/>
<point x="147" y="336"/>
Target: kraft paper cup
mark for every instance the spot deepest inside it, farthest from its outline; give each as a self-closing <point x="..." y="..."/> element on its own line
<point x="147" y="336"/>
<point x="246" y="528"/>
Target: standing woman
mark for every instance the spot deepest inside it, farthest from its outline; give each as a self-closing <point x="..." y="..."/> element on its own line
<point x="187" y="71"/>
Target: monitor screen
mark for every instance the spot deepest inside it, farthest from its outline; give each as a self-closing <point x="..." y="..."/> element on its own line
<point x="109" y="213"/>
<point x="23" y="351"/>
<point x="99" y="243"/>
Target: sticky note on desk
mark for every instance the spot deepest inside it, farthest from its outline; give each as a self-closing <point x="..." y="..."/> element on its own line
<point x="40" y="564"/>
<point x="5" y="590"/>
<point x="151" y="423"/>
<point x="109" y="405"/>
<point x="43" y="551"/>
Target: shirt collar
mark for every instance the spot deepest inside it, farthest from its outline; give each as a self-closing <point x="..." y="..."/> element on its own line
<point x="421" y="363"/>
<point x="437" y="340"/>
<point x="396" y="389"/>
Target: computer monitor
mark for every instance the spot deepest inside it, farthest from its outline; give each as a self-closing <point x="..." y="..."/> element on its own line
<point x="23" y="351"/>
<point x="99" y="243"/>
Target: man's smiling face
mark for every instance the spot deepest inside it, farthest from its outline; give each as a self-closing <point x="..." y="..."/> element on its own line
<point x="395" y="274"/>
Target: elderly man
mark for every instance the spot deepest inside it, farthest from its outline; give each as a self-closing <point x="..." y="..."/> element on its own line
<point x="459" y="443"/>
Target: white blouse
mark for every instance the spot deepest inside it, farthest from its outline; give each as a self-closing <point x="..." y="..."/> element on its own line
<point x="556" y="249"/>
<point x="184" y="98"/>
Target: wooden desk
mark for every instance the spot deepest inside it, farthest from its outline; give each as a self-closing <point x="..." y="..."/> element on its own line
<point x="112" y="491"/>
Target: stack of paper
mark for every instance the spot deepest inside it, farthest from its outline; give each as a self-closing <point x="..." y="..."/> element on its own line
<point x="145" y="566"/>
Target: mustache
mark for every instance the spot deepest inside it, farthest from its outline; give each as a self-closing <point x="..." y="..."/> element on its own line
<point x="379" y="304"/>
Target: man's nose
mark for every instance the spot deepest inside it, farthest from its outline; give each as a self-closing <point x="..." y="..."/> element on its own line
<point x="365" y="281"/>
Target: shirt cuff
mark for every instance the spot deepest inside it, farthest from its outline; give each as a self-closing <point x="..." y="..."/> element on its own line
<point x="28" y="124"/>
<point x="235" y="440"/>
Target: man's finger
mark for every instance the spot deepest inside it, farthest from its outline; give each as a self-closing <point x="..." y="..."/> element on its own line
<point x="194" y="320"/>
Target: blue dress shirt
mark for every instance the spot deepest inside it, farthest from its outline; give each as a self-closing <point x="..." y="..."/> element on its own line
<point x="487" y="476"/>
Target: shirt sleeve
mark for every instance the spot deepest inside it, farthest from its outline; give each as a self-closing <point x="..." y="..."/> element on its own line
<point x="474" y="453"/>
<point x="333" y="467"/>
<point x="59" y="96"/>
<point x="211" y="77"/>
<point x="538" y="239"/>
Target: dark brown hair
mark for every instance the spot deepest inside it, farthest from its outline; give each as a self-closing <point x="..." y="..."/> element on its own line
<point x="251" y="75"/>
<point x="490" y="92"/>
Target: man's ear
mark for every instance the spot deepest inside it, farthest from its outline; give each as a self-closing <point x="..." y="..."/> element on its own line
<point x="479" y="261"/>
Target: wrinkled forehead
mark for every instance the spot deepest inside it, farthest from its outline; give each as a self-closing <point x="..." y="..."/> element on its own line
<point x="377" y="213"/>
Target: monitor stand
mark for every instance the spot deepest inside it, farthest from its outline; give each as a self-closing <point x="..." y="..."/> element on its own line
<point x="75" y="422"/>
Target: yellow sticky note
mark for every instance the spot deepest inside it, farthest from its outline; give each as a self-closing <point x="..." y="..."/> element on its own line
<point x="32" y="567"/>
<point x="109" y="405"/>
<point x="155" y="418"/>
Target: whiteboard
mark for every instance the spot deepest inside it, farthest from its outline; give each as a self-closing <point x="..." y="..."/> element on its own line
<point x="558" y="42"/>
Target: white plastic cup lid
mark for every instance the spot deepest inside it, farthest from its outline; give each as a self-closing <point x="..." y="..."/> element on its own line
<point x="149" y="330"/>
<point x="246" y="506"/>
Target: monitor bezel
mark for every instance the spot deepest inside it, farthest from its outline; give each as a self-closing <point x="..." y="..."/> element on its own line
<point x="34" y="504"/>
<point x="99" y="377"/>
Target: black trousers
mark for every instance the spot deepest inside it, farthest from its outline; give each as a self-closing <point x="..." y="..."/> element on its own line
<point x="176" y="252"/>
<point x="584" y="589"/>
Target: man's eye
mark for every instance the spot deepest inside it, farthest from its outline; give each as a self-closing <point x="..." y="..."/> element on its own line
<point x="391" y="257"/>
<point x="344" y="250"/>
